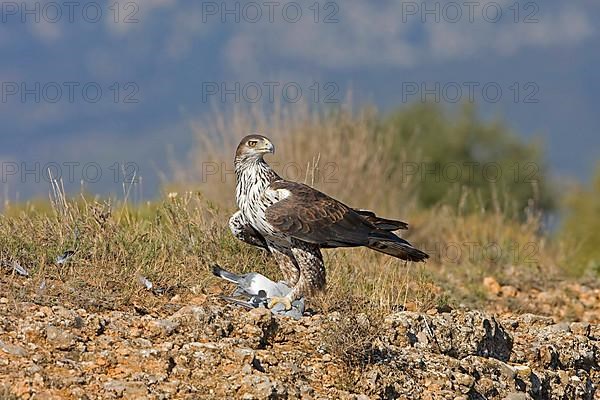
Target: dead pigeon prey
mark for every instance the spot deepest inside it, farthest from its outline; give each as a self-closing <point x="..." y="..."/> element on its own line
<point x="254" y="290"/>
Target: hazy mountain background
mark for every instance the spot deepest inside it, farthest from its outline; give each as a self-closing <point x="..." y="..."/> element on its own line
<point x="165" y="54"/>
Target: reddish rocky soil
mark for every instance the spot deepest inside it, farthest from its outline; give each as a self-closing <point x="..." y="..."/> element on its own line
<point x="202" y="348"/>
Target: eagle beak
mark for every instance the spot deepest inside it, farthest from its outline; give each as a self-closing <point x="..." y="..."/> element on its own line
<point x="270" y="148"/>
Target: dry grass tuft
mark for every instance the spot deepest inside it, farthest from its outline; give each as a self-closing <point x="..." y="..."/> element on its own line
<point x="6" y="393"/>
<point x="171" y="243"/>
<point x="352" y="332"/>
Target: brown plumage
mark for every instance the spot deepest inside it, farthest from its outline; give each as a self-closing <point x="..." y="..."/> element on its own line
<point x="314" y="217"/>
<point x="382" y="223"/>
<point x="294" y="221"/>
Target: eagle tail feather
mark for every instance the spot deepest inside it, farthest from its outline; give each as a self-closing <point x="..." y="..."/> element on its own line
<point x="388" y="224"/>
<point x="395" y="246"/>
<point x="382" y="223"/>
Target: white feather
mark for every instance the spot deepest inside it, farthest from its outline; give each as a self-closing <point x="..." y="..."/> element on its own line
<point x="273" y="289"/>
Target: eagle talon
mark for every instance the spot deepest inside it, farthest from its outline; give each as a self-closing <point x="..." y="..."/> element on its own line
<point x="287" y="303"/>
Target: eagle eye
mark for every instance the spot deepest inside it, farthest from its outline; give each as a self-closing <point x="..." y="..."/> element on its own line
<point x="252" y="143"/>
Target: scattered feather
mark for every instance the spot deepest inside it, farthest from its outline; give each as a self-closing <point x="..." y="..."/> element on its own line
<point x="14" y="267"/>
<point x="19" y="269"/>
<point x="145" y="282"/>
<point x="159" y="291"/>
<point x="62" y="259"/>
<point x="41" y="290"/>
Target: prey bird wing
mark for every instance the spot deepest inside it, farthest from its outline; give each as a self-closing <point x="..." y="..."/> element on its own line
<point x="306" y="214"/>
<point x="259" y="300"/>
<point x="296" y="312"/>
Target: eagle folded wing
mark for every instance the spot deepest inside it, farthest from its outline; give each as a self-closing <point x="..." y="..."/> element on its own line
<point x="311" y="216"/>
<point x="314" y="217"/>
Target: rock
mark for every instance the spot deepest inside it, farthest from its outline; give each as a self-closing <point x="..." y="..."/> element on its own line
<point x="580" y="328"/>
<point x="126" y="389"/>
<point x="12" y="349"/>
<point x="492" y="285"/>
<point x="517" y="396"/>
<point x="509" y="291"/>
<point x="162" y="327"/>
<point x="214" y="351"/>
<point x="464" y="381"/>
<point x="60" y="339"/>
<point x="523" y="371"/>
<point x="457" y="334"/>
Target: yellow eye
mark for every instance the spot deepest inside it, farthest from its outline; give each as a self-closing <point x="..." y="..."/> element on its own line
<point x="252" y="143"/>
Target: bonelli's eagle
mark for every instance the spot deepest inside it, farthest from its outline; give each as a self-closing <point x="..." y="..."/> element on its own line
<point x="294" y="222"/>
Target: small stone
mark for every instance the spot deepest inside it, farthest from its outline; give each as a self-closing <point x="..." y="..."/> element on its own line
<point x="492" y="285"/>
<point x="246" y="369"/>
<point x="517" y="396"/>
<point x="422" y="337"/>
<point x="163" y="327"/>
<point x="101" y="361"/>
<point x="260" y="314"/>
<point x="557" y="328"/>
<point x="464" y="381"/>
<point x="509" y="291"/>
<point x="244" y="355"/>
<point x="523" y="371"/>
<point x="22" y="389"/>
<point x="581" y="328"/>
<point x="12" y="349"/>
<point x="60" y="339"/>
<point x="198" y="300"/>
<point x="126" y="389"/>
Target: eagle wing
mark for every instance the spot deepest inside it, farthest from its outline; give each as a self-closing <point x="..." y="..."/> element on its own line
<point x="314" y="217"/>
<point x="306" y="214"/>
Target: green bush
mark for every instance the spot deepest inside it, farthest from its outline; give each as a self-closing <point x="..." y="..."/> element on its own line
<point x="451" y="154"/>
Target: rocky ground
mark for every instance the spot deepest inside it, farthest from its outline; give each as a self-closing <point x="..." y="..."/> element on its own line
<point x="203" y="348"/>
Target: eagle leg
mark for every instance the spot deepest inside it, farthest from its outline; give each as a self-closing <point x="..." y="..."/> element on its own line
<point x="312" y="269"/>
<point x="285" y="301"/>
<point x="287" y="263"/>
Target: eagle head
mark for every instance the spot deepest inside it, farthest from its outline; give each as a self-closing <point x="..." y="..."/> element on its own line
<point x="254" y="146"/>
